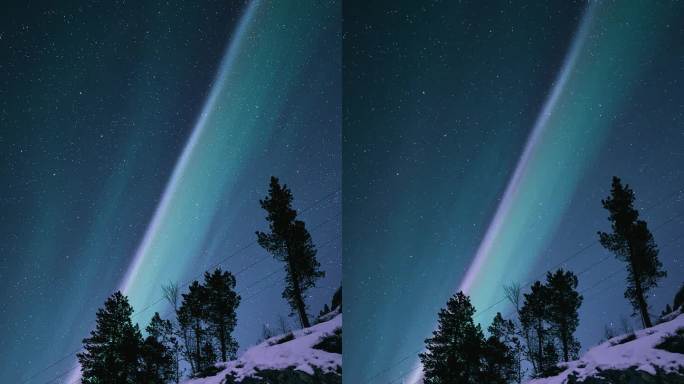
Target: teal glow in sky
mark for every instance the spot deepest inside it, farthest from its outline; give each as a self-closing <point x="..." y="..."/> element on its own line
<point x="571" y="128"/>
<point x="244" y="107"/>
<point x="474" y="135"/>
<point x="139" y="158"/>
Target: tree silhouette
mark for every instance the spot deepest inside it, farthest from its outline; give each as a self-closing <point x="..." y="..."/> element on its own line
<point x="455" y="350"/>
<point x="632" y="242"/>
<point x="564" y="303"/>
<point x="290" y="242"/>
<point x="191" y="318"/>
<point x="111" y="353"/>
<point x="222" y="302"/>
<point x="532" y="319"/>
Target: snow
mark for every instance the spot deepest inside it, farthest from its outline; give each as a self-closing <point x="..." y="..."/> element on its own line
<point x="619" y="354"/>
<point x="298" y="353"/>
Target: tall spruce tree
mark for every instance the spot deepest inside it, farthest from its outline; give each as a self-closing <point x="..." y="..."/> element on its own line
<point x="290" y="242"/>
<point x="563" y="316"/>
<point x="112" y="352"/>
<point x="632" y="242"/>
<point x="222" y="302"/>
<point x="455" y="351"/>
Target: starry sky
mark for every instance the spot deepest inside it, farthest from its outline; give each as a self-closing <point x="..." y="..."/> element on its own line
<point x="479" y="139"/>
<point x="136" y="140"/>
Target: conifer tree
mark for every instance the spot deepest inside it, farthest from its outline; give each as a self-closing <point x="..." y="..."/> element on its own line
<point x="155" y="366"/>
<point x="158" y="352"/>
<point x="191" y="317"/>
<point x="290" y="242"/>
<point x="222" y="302"/>
<point x="112" y="352"/>
<point x="498" y="357"/>
<point x="563" y="316"/>
<point x="455" y="351"/>
<point x="632" y="242"/>
<point x="549" y="359"/>
<point x="208" y="356"/>
<point x="532" y="320"/>
<point x="506" y="346"/>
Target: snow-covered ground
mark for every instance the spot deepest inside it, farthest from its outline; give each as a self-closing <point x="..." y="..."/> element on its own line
<point x="298" y="353"/>
<point x="622" y="352"/>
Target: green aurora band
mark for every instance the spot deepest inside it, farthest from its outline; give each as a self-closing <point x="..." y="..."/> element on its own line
<point x="241" y="111"/>
<point x="574" y="123"/>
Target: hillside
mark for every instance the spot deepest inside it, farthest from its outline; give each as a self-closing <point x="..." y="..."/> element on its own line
<point x="310" y="355"/>
<point x="652" y="355"/>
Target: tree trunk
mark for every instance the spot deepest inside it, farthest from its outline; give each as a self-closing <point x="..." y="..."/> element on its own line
<point x="638" y="291"/>
<point x="222" y="336"/>
<point x="565" y="340"/>
<point x="643" y="306"/>
<point x="301" y="307"/>
<point x="540" y="342"/>
<point x="299" y="301"/>
<point x="198" y="358"/>
<point x="177" y="367"/>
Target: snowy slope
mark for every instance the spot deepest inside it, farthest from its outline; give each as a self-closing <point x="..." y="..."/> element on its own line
<point x="297" y="353"/>
<point x="625" y="352"/>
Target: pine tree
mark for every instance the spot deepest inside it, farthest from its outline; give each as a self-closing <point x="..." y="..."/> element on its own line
<point x="112" y="352"/>
<point x="499" y="357"/>
<point x="208" y="356"/>
<point x="156" y="362"/>
<point x="549" y="359"/>
<point x="455" y="350"/>
<point x="192" y="314"/>
<point x="290" y="242"/>
<point x="563" y="316"/>
<point x="222" y="302"/>
<point x="509" y="364"/>
<point x="158" y="352"/>
<point x="532" y="320"/>
<point x="632" y="242"/>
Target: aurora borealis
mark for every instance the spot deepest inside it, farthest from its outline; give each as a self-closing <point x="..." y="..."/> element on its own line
<point x="140" y="146"/>
<point x="431" y="147"/>
<point x="503" y="130"/>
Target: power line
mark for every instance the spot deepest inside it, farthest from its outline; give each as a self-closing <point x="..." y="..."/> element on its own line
<point x="241" y="249"/>
<point x="595" y="242"/>
<point x="572" y="256"/>
<point x="246" y="300"/>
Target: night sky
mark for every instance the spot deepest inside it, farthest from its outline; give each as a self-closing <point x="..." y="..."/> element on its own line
<point x="479" y="139"/>
<point x="136" y="140"/>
